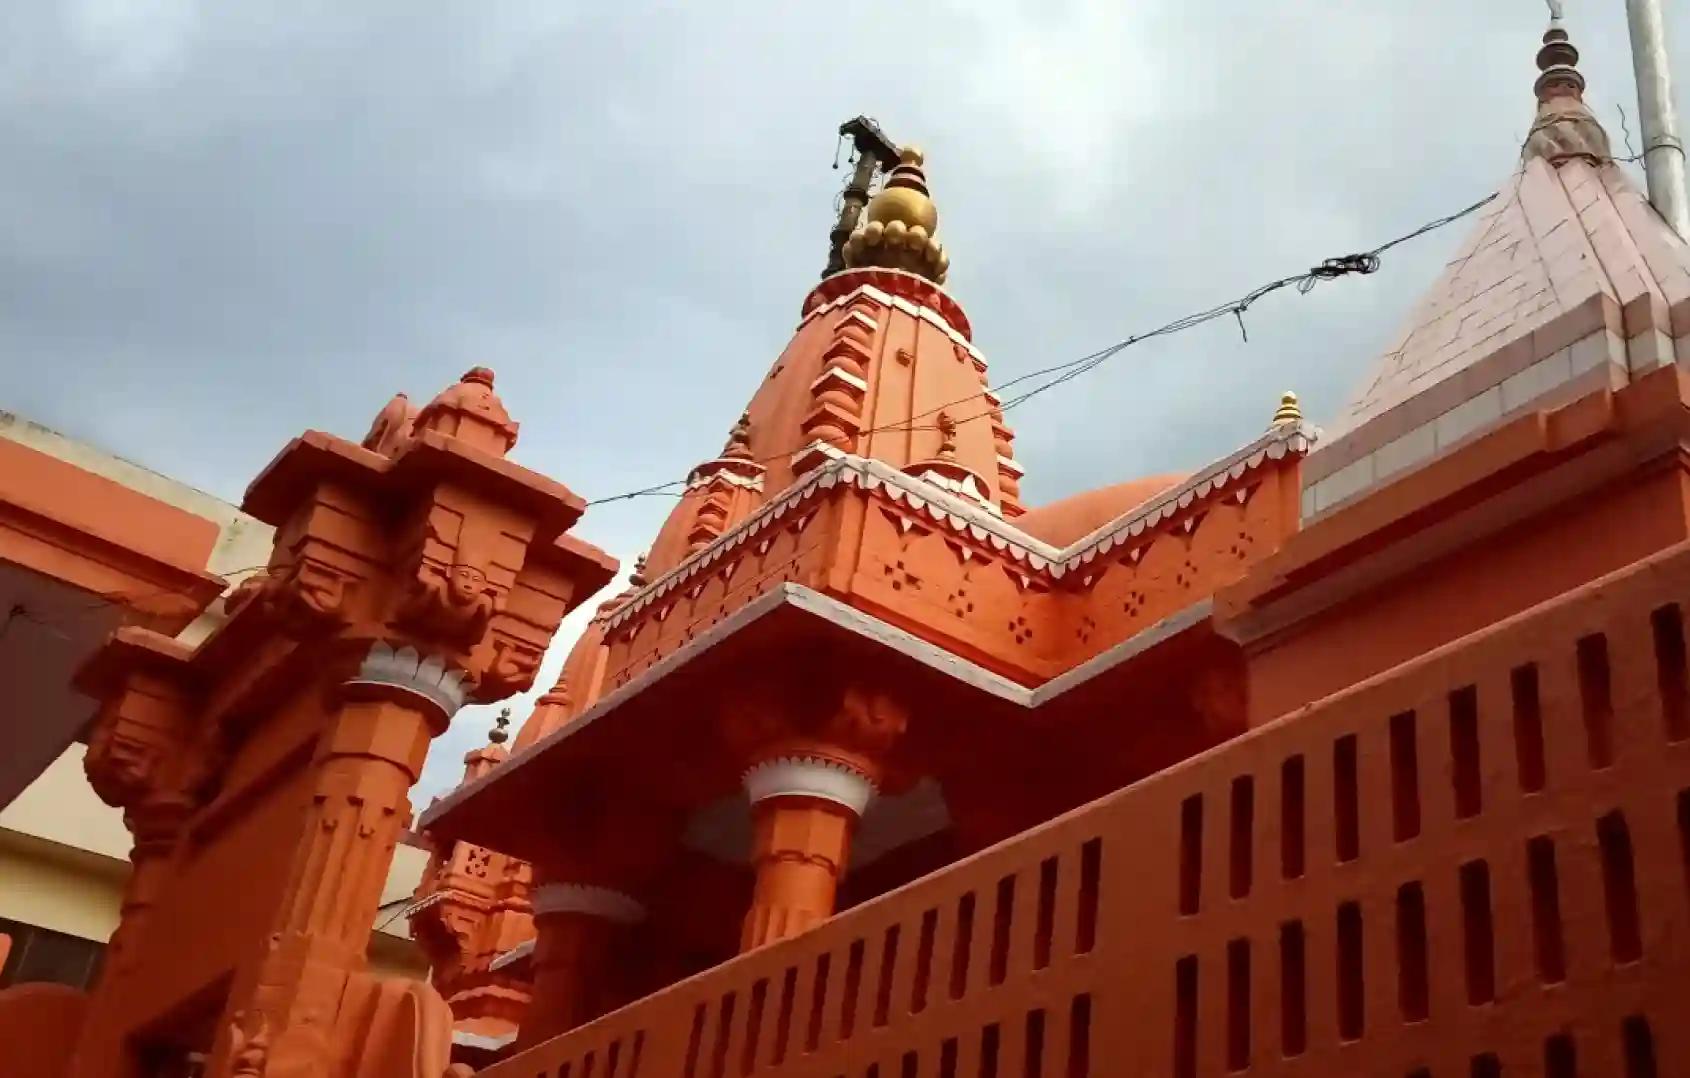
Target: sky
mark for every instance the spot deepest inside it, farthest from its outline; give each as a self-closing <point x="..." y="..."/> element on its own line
<point x="224" y="223"/>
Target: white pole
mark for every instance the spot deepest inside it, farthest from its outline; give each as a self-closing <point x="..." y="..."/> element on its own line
<point x="1663" y="150"/>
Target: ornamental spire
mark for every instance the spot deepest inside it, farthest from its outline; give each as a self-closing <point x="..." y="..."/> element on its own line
<point x="902" y="220"/>
<point x="1565" y="127"/>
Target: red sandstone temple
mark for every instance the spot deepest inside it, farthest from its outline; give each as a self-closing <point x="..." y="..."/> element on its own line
<point x="1363" y="751"/>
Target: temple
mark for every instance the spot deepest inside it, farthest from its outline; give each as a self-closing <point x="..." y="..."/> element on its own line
<point x="1360" y="750"/>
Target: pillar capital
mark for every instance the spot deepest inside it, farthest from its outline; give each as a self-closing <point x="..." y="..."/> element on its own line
<point x="589" y="900"/>
<point x="810" y="776"/>
<point x="439" y="687"/>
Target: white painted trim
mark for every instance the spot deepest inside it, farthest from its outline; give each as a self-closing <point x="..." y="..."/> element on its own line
<point x="511" y="957"/>
<point x="854" y="621"/>
<point x="965" y="516"/>
<point x="592" y="900"/>
<point x="428" y="677"/>
<point x="809" y="776"/>
<point x="480" y="1040"/>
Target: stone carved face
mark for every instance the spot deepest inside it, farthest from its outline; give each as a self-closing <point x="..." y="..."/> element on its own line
<point x="869" y="720"/>
<point x="466" y="584"/>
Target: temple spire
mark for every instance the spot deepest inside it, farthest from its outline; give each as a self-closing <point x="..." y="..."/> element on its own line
<point x="1564" y="127"/>
<point x="902" y="220"/>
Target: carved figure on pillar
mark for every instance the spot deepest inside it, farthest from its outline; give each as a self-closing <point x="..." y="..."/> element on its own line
<point x="410" y="575"/>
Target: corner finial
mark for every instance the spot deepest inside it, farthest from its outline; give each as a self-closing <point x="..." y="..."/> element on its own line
<point x="637" y="579"/>
<point x="471" y="411"/>
<point x="1564" y="127"/>
<point x="1289" y="411"/>
<point x="498" y="735"/>
<point x="902" y="220"/>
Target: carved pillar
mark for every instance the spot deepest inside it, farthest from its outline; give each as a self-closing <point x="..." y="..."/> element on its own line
<point x="804" y="811"/>
<point x="366" y="763"/>
<point x="156" y="826"/>
<point x="578" y="927"/>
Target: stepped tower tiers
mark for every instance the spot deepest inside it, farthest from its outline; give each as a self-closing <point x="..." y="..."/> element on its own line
<point x="1569" y="281"/>
<point x="851" y="649"/>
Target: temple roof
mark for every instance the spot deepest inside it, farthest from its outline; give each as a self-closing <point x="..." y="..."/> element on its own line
<point x="1061" y="522"/>
<point x="1569" y="279"/>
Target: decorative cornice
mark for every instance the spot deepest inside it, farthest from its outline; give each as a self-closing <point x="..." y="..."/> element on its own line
<point x="809" y="776"/>
<point x="735" y="473"/>
<point x="589" y="899"/>
<point x="966" y="517"/>
<point x="914" y="310"/>
<point x="404" y="669"/>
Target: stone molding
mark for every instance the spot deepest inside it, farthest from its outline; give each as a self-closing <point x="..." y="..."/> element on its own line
<point x="605" y="903"/>
<point x="809" y="776"/>
<point x="408" y="671"/>
<point x="965" y="517"/>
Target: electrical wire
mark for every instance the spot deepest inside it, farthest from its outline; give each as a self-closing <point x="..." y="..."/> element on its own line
<point x="1364" y="262"/>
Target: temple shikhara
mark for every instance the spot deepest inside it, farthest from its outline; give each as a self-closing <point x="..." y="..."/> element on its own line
<point x="1362" y="750"/>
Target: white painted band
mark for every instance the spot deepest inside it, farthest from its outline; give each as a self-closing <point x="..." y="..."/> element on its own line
<point x="428" y="677"/>
<point x="809" y="776"/>
<point x="586" y="898"/>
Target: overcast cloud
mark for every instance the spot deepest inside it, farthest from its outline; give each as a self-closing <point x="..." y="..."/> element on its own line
<point x="223" y="223"/>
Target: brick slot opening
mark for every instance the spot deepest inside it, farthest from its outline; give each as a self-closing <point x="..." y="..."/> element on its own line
<point x="1597" y="696"/>
<point x="1046" y="922"/>
<point x="724" y="1025"/>
<point x="753" y="1026"/>
<point x="1619" y="886"/>
<point x="1346" y="811"/>
<point x="783" y="1016"/>
<point x="1035" y="1057"/>
<point x="853" y="985"/>
<point x="1238" y="1004"/>
<point x="1546" y="910"/>
<point x="1293" y="981"/>
<point x="1405" y="778"/>
<point x="1412" y="981"/>
<point x="964" y="941"/>
<point x="1528" y="728"/>
<point x="1560" y="1058"/>
<point x="1003" y="915"/>
<point x="1639" y="1048"/>
<point x="1670" y="671"/>
<point x="923" y="961"/>
<point x="888" y="964"/>
<point x="1091" y="873"/>
<point x="818" y="997"/>
<point x="1190" y="854"/>
<point x="1291" y="818"/>
<point x="989" y="1051"/>
<point x="1243" y="834"/>
<point x="1079" y="1037"/>
<point x="1478" y="932"/>
<point x="1351" y="1002"/>
<point x="1185" y="1017"/>
<point x="1464" y="751"/>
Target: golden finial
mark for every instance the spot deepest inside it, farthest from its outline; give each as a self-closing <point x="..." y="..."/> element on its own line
<point x="902" y="220"/>
<point x="1289" y="412"/>
<point x="497" y="735"/>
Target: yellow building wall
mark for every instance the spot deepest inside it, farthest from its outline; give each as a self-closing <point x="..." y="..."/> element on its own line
<point x="64" y="856"/>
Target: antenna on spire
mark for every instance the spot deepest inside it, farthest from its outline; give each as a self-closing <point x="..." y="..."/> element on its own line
<point x="871" y="152"/>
